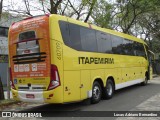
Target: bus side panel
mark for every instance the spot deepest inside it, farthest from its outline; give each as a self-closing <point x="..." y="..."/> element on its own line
<point x="98" y="73"/>
<point x="55" y="32"/>
<point x="118" y="75"/>
<point x="85" y="86"/>
<point x="71" y="86"/>
<point x="57" y="61"/>
<point x="115" y="73"/>
<point x="56" y="47"/>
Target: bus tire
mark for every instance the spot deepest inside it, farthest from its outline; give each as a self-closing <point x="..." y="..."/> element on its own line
<point x="108" y="90"/>
<point x="96" y="92"/>
<point x="145" y="82"/>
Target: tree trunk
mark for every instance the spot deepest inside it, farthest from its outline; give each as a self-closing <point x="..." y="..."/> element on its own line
<point x="90" y="10"/>
<point x="1" y="90"/>
<point x="54" y="6"/>
<point x="1" y="3"/>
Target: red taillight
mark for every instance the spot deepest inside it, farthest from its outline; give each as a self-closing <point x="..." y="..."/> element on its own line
<point x="54" y="79"/>
<point x="11" y="79"/>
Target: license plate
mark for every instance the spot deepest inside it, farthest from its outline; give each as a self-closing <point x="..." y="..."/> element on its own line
<point x="30" y="96"/>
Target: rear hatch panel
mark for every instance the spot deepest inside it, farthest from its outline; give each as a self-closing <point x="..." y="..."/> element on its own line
<point x="29" y="49"/>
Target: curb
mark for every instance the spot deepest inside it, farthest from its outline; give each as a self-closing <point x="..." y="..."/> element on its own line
<point x="7" y="102"/>
<point x="155" y="75"/>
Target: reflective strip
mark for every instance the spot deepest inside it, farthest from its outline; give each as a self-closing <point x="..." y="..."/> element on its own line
<point x="128" y="83"/>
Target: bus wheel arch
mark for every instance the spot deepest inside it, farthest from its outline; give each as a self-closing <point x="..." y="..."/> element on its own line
<point x="97" y="88"/>
<point x="109" y="88"/>
<point x="145" y="82"/>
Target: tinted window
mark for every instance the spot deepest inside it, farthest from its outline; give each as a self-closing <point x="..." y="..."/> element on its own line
<point x="88" y="39"/>
<point x="104" y="42"/>
<point x="127" y="47"/>
<point x="117" y="43"/>
<point x="85" y="39"/>
<point x="139" y="49"/>
<point x="71" y="35"/>
<point x="75" y="39"/>
<point x="65" y="32"/>
<point x="27" y="35"/>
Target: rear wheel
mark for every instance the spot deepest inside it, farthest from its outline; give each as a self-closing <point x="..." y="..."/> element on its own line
<point x="109" y="89"/>
<point x="96" y="93"/>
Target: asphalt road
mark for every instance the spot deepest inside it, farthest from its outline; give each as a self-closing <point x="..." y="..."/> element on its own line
<point x="124" y="100"/>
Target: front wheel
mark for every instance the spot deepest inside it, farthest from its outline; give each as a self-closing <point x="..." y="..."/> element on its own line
<point x="96" y="93"/>
<point x="145" y="82"/>
<point x="109" y="89"/>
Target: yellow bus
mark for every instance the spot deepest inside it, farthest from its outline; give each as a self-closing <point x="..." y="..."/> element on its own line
<point x="56" y="59"/>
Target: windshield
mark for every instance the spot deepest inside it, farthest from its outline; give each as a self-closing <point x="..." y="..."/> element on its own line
<point x="27" y="35"/>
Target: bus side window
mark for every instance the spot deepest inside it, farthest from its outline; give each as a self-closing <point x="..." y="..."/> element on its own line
<point x="139" y="48"/>
<point x="128" y="47"/>
<point x="75" y="39"/>
<point x="104" y="42"/>
<point x="65" y="32"/>
<point x="71" y="35"/>
<point x="88" y="39"/>
<point x="117" y="43"/>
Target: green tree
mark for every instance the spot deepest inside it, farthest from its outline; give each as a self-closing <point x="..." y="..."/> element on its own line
<point x="129" y="12"/>
<point x="102" y="14"/>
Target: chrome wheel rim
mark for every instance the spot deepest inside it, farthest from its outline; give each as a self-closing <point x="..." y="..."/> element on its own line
<point x="109" y="89"/>
<point x="96" y="92"/>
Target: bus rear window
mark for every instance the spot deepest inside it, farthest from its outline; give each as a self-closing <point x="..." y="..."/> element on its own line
<point x="27" y="35"/>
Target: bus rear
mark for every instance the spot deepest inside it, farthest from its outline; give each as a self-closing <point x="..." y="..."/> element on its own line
<point x="32" y="76"/>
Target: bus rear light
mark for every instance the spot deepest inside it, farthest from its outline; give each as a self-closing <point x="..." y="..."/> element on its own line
<point x="54" y="79"/>
<point x="11" y="79"/>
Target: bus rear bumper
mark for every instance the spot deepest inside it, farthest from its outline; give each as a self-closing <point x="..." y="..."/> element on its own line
<point x="31" y="96"/>
<point x="37" y="96"/>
